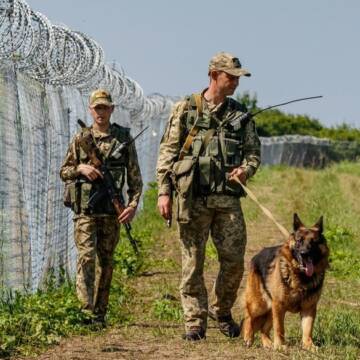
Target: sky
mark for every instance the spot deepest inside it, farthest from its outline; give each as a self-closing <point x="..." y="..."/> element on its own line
<point x="292" y="48"/>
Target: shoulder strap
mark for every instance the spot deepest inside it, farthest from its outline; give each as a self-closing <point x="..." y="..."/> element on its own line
<point x="195" y="129"/>
<point x="198" y="103"/>
<point x="87" y="143"/>
<point x="121" y="133"/>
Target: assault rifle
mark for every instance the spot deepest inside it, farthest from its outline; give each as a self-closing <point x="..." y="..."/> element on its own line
<point x="241" y="120"/>
<point x="107" y="187"/>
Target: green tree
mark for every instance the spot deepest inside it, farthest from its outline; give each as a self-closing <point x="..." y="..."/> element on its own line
<point x="275" y="122"/>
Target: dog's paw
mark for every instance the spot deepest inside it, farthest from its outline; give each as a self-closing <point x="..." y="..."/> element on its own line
<point x="266" y="342"/>
<point x="248" y="342"/>
<point x="280" y="347"/>
<point x="310" y="346"/>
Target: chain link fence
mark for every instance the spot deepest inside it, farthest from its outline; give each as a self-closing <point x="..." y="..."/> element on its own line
<point x="46" y="75"/>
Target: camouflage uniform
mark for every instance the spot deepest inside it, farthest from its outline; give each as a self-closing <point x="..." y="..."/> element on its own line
<point x="97" y="234"/>
<point x="217" y="213"/>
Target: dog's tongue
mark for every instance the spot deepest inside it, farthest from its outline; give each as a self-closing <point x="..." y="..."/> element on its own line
<point x="309" y="268"/>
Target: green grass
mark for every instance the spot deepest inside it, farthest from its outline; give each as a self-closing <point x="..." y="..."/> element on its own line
<point x="344" y="257"/>
<point x="38" y="320"/>
<point x="147" y="224"/>
<point x="211" y="252"/>
<point x="319" y="193"/>
<point x="29" y="323"/>
<point x="167" y="310"/>
<point x="338" y="327"/>
<point x="333" y="193"/>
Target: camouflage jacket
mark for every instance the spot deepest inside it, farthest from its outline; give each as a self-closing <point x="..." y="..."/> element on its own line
<point x="74" y="157"/>
<point x="175" y="135"/>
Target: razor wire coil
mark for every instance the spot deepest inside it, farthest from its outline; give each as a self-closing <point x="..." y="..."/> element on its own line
<point x="56" y="55"/>
<point x="46" y="75"/>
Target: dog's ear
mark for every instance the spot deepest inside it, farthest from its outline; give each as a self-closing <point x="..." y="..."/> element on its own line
<point x="319" y="225"/>
<point x="297" y="222"/>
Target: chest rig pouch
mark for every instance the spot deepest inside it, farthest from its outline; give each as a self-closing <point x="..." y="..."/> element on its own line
<point x="116" y="164"/>
<point x="222" y="153"/>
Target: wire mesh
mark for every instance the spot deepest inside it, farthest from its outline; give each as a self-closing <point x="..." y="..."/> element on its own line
<point x="46" y="74"/>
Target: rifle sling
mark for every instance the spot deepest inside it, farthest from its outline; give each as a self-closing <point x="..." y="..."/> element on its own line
<point x="194" y="130"/>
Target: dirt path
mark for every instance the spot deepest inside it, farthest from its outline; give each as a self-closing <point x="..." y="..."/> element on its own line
<point x="155" y="326"/>
<point x="149" y="338"/>
<point x="153" y="304"/>
<point x="139" y="342"/>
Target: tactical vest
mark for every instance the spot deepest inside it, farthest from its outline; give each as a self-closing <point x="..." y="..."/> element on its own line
<point x="117" y="167"/>
<point x="224" y="150"/>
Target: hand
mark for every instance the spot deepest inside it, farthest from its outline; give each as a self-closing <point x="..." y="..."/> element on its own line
<point x="89" y="172"/>
<point x="127" y="215"/>
<point x="239" y="173"/>
<point x="165" y="206"/>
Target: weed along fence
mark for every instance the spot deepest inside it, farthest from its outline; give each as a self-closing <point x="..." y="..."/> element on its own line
<point x="46" y="75"/>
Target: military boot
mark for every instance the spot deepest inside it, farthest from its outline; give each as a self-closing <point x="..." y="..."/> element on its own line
<point x="226" y="324"/>
<point x="99" y="321"/>
<point x="195" y="333"/>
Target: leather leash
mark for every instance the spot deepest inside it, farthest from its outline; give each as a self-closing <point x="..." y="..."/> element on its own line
<point x="263" y="208"/>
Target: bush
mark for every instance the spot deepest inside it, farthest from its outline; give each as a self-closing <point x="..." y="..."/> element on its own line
<point x="275" y="122"/>
<point x="39" y="319"/>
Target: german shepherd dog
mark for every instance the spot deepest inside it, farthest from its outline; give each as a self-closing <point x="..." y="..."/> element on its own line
<point x="283" y="278"/>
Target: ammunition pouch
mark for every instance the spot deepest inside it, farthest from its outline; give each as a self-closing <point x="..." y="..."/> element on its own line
<point x="68" y="188"/>
<point x="211" y="176"/>
<point x="232" y="153"/>
<point x="206" y="181"/>
<point x="232" y="158"/>
<point x="67" y="194"/>
<point x="77" y="195"/>
<point x="219" y="153"/>
<point x="71" y="195"/>
<point x="84" y="192"/>
<point x="183" y="181"/>
<point x="96" y="197"/>
<point x="118" y="173"/>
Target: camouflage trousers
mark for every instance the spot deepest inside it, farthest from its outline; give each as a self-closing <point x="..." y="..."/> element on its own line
<point x="96" y="239"/>
<point x="221" y="217"/>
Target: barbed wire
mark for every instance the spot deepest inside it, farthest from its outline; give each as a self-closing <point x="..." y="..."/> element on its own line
<point x="56" y="55"/>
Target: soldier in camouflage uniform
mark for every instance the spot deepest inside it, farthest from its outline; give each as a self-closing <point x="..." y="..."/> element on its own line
<point x="97" y="229"/>
<point x="204" y="147"/>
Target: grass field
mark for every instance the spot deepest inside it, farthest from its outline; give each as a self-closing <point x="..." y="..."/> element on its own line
<point x="145" y="315"/>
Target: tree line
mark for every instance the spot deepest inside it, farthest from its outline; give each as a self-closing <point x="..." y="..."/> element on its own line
<point x="275" y="122"/>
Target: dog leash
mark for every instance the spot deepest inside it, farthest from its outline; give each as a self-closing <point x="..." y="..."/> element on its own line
<point x="263" y="208"/>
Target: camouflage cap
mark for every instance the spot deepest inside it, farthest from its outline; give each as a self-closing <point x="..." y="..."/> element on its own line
<point x="228" y="63"/>
<point x="100" y="97"/>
